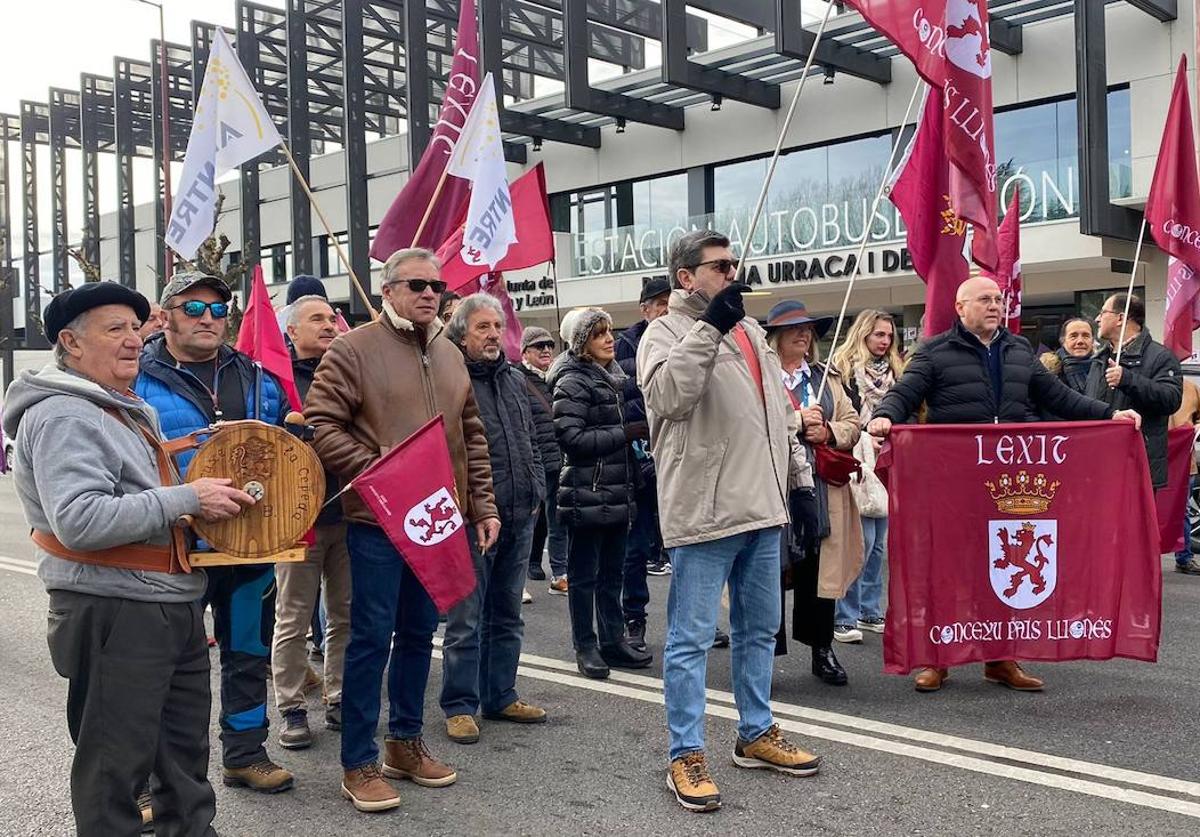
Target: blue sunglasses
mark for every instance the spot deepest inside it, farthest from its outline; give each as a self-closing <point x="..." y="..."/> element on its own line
<point x="195" y="309"/>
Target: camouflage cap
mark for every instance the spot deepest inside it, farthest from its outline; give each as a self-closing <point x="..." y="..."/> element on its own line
<point x="181" y="282"/>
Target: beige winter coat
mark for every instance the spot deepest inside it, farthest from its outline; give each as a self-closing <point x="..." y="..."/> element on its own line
<point x="842" y="551"/>
<point x="725" y="461"/>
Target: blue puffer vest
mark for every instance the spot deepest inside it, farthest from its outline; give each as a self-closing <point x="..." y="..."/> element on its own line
<point x="162" y="384"/>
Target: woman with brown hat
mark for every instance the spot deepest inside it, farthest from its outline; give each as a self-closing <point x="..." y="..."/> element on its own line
<point x="824" y="553"/>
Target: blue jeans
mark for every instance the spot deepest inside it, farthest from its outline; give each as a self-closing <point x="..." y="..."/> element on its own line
<point x="864" y="596"/>
<point x="482" y="643"/>
<point x="1184" y="556"/>
<point x="392" y="620"/>
<point x="749" y="562"/>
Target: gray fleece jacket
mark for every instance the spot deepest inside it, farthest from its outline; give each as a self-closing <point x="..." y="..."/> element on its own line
<point x="92" y="480"/>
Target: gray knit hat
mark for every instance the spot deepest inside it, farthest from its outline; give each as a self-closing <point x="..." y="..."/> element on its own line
<point x="582" y="325"/>
<point x="534" y="334"/>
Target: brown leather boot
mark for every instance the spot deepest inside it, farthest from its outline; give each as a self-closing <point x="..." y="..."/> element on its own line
<point x="263" y="776"/>
<point x="1008" y="673"/>
<point x="930" y="679"/>
<point x="368" y="791"/>
<point x="408" y="758"/>
<point x="688" y="778"/>
<point x="519" y="712"/>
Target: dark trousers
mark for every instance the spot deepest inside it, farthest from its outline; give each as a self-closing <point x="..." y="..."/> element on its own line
<point x="242" y="599"/>
<point x="812" y="616"/>
<point x="392" y="620"/>
<point x="642" y="546"/>
<point x="549" y="525"/>
<point x="595" y="559"/>
<point x="138" y="704"/>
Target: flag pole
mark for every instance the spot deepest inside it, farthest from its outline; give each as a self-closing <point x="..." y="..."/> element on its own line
<point x="329" y="231"/>
<point x="787" y="123"/>
<point x="867" y="224"/>
<point x="437" y="192"/>
<point x="1137" y="253"/>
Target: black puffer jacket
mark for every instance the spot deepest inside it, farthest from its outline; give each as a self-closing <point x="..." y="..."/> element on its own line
<point x="518" y="479"/>
<point x="950" y="374"/>
<point x="541" y="399"/>
<point x="599" y="478"/>
<point x="1152" y="384"/>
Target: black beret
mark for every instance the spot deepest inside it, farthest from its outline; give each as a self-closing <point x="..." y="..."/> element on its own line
<point x="70" y="304"/>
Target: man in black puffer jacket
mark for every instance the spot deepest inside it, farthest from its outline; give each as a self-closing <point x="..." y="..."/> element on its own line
<point x="537" y="353"/>
<point x="484" y="631"/>
<point x="1148" y="378"/>
<point x="977" y="372"/>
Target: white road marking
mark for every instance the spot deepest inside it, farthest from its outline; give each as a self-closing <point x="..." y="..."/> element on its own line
<point x="649" y="690"/>
<point x="18" y="565"/>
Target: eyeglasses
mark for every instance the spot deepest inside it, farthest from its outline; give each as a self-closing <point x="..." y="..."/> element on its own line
<point x="722" y="266"/>
<point x="195" y="309"/>
<point x="544" y="346"/>
<point x="418" y="286"/>
<point x="990" y="300"/>
<point x="1114" y="313"/>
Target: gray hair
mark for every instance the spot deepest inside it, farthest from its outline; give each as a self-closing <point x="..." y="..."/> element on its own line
<point x="293" y="310"/>
<point x="688" y="251"/>
<point x="456" y="329"/>
<point x="60" y="351"/>
<point x="408" y="254"/>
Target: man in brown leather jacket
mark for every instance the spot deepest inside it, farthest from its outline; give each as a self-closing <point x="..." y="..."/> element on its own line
<point x="374" y="387"/>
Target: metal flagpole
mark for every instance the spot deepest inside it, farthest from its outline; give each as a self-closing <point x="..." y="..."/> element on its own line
<point x="867" y="224"/>
<point x="1129" y="292"/>
<point x="748" y="241"/>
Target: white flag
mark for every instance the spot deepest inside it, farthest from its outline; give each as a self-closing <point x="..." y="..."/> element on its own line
<point x="230" y="127"/>
<point x="478" y="156"/>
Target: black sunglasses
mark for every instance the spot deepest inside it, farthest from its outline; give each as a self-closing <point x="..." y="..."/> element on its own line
<point x="195" y="309"/>
<point x="543" y="346"/>
<point x="722" y="266"/>
<point x="418" y="286"/>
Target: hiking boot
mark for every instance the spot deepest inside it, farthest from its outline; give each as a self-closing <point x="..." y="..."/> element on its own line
<point x="622" y="655"/>
<point x="295" y="734"/>
<point x="333" y="716"/>
<point x="847" y="633"/>
<point x="930" y="679"/>
<point x="774" y="752"/>
<point x="368" y="791"/>
<point x="536" y="573"/>
<point x="409" y="758"/>
<point x="635" y="634"/>
<point x="558" y="587"/>
<point x="694" y="789"/>
<point x="519" y="712"/>
<point x="720" y="639"/>
<point x="1008" y="673"/>
<point x="874" y="624"/>
<point x="144" y="805"/>
<point x="462" y="729"/>
<point x="263" y="776"/>
<point x="312" y="681"/>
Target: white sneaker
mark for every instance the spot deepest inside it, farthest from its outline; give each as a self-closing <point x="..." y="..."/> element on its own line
<point x="527" y="597"/>
<point x="875" y="625"/>
<point x="845" y="633"/>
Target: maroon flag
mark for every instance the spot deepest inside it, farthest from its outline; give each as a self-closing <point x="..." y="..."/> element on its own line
<point x="1008" y="268"/>
<point x="1171" y="501"/>
<point x="920" y="190"/>
<point x="947" y="41"/>
<point x="399" y="226"/>
<point x="535" y="239"/>
<point x="260" y="338"/>
<point x="1005" y="542"/>
<point x="411" y="492"/>
<point x="1173" y="213"/>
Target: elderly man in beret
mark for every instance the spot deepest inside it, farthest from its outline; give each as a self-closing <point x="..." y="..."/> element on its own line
<point x="102" y="499"/>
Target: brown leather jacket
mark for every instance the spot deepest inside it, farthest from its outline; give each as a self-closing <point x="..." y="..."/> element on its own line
<point x="377" y="385"/>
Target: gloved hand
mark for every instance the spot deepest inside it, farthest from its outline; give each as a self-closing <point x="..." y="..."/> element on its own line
<point x="726" y="308"/>
<point x="637" y="430"/>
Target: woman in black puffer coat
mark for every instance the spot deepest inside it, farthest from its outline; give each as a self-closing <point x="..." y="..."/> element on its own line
<point x="595" y="490"/>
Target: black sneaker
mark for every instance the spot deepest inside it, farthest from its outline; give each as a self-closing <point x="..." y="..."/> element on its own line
<point x="658" y="568"/>
<point x="536" y="573"/>
<point x="295" y="734"/>
<point x="720" y="639"/>
<point x="333" y="716"/>
<point x="635" y="634"/>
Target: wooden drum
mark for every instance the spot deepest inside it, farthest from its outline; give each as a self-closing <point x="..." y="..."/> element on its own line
<point x="279" y="470"/>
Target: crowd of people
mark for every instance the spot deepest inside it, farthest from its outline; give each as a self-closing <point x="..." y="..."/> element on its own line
<point x="698" y="443"/>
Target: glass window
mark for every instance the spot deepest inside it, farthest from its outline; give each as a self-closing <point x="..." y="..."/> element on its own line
<point x="1120" y="166"/>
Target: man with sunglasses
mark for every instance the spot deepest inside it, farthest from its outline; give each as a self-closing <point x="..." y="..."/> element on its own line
<point x="537" y="353"/>
<point x="193" y="379"/>
<point x="374" y="387"/>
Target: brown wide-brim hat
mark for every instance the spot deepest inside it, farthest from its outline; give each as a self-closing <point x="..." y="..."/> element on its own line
<point x="793" y="312"/>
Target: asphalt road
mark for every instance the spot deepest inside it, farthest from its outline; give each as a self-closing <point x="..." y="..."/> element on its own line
<point x="1108" y="748"/>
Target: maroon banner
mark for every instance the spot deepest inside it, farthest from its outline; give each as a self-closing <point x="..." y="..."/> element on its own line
<point x="1008" y="269"/>
<point x="411" y="492"/>
<point x="260" y="338"/>
<point x="1171" y="502"/>
<point x="1005" y="541"/>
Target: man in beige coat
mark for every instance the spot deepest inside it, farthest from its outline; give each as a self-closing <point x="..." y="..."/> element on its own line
<point x="723" y="435"/>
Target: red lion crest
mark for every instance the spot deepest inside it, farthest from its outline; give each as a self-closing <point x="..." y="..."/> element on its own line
<point x="440" y="517"/>
<point x="1017" y="554"/>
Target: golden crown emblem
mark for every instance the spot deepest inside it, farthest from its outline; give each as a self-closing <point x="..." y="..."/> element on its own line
<point x="1022" y="494"/>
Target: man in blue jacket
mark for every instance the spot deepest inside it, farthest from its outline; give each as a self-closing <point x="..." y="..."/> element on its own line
<point x="193" y="379"/>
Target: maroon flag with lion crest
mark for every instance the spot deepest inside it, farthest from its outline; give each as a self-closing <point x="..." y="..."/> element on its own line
<point x="411" y="492"/>
<point x="1005" y="542"/>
